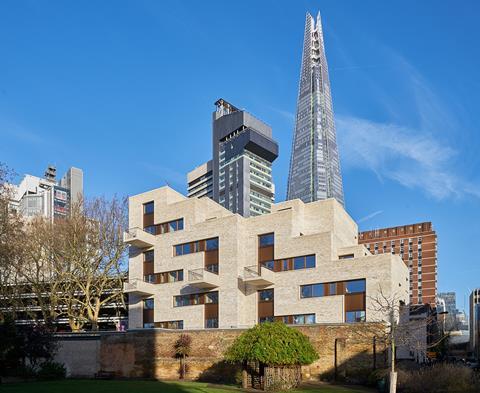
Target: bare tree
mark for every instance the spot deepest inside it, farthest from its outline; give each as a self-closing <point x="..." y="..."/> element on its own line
<point x="90" y="256"/>
<point x="11" y="237"/>
<point x="398" y="330"/>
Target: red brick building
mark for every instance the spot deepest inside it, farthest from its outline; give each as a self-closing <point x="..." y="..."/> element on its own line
<point x="417" y="246"/>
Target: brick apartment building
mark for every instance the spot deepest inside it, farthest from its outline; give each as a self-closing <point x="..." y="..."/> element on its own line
<point x="194" y="264"/>
<point x="417" y="246"/>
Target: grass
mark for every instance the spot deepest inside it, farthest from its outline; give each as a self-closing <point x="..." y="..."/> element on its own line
<point x="99" y="386"/>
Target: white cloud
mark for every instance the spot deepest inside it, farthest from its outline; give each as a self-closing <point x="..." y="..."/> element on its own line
<point x="412" y="157"/>
<point x="369" y="216"/>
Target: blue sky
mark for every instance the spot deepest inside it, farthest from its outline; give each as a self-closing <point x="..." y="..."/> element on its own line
<point x="125" y="90"/>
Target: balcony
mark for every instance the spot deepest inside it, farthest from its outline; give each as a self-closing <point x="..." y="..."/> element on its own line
<point x="139" y="238"/>
<point x="203" y="279"/>
<point x="138" y="287"/>
<point x="258" y="276"/>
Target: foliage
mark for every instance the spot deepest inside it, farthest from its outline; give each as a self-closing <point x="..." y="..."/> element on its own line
<point x="445" y="378"/>
<point x="272" y="344"/>
<point x="51" y="370"/>
<point x="36" y="343"/>
<point x="21" y="349"/>
<point x="183" y="345"/>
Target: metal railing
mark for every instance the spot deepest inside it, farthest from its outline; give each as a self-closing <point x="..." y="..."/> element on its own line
<point x="252" y="271"/>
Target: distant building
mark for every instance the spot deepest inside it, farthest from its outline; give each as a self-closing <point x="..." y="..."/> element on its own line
<point x="194" y="264"/>
<point x="475" y="322"/>
<point x="47" y="197"/>
<point x="417" y="246"/>
<point x="451" y="309"/>
<point x="239" y="176"/>
<point x="314" y="164"/>
<point x="200" y="181"/>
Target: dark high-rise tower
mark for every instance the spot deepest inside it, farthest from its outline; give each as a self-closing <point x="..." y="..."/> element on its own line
<point x="314" y="164"/>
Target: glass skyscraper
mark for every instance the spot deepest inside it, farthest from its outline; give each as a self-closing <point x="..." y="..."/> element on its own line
<point x="314" y="164"/>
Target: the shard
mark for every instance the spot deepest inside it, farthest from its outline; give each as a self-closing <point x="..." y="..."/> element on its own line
<point x="314" y="163"/>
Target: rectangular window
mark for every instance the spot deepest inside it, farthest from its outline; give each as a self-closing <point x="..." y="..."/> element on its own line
<point x="299" y="319"/>
<point x="266" y="295"/>
<point x="148" y="208"/>
<point x="150" y="229"/>
<point x="196" y="246"/>
<point x="298" y="263"/>
<point x="148" y="256"/>
<point x="211" y="244"/>
<point x="169" y="325"/>
<point x="148" y="304"/>
<point x="266" y="319"/>
<point x="346" y="256"/>
<point x="310" y="261"/>
<point x="211" y="323"/>
<point x="195" y="299"/>
<point x="312" y="290"/>
<point x="269" y="265"/>
<point x="332" y="288"/>
<point x="354" y="316"/>
<point x="355" y="286"/>
<point x="266" y="240"/>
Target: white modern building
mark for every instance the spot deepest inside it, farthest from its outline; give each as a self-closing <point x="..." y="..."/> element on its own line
<point x="47" y="197"/>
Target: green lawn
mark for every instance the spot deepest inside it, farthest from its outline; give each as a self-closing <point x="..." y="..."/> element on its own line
<point x="97" y="386"/>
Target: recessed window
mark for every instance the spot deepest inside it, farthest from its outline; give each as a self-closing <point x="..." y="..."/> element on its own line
<point x="266" y="240"/>
<point x="266" y="295"/>
<point x="346" y="256"/>
<point x="354" y="316"/>
<point x="148" y="208"/>
<point x="148" y="304"/>
<point x="269" y="265"/>
<point x="355" y="286"/>
<point x="211" y="244"/>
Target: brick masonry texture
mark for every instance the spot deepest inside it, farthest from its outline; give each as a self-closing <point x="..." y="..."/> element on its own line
<point x="150" y="353"/>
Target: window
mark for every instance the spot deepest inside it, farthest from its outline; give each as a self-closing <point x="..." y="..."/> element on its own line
<point x="266" y="295"/>
<point x="312" y="290"/>
<point x="148" y="256"/>
<point x="196" y="246"/>
<point x="212" y="244"/>
<point x="266" y="319"/>
<point x="148" y="325"/>
<point x="211" y="297"/>
<point x="267" y="239"/>
<point x="195" y="299"/>
<point x="299" y="319"/>
<point x="172" y="226"/>
<point x="354" y="316"/>
<point x="332" y="288"/>
<point x="346" y="256"/>
<point x="169" y="325"/>
<point x="310" y="261"/>
<point x="148" y="208"/>
<point x="149" y="278"/>
<point x="299" y="263"/>
<point x="150" y="229"/>
<point x="211" y="323"/>
<point x="269" y="264"/>
<point x="148" y="304"/>
<point x="355" y="286"/>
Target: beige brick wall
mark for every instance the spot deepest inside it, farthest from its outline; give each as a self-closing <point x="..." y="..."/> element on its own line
<point x="322" y="228"/>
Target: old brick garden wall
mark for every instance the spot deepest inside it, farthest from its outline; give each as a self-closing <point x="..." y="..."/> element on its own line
<point x="344" y="349"/>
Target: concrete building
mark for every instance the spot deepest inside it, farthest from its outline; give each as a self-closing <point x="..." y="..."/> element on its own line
<point x="47" y="197"/>
<point x="208" y="267"/>
<point x="239" y="176"/>
<point x="315" y="164"/>
<point x="475" y="322"/>
<point x="417" y="246"/>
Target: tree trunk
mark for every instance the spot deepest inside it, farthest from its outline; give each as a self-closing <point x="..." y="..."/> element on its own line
<point x="393" y="382"/>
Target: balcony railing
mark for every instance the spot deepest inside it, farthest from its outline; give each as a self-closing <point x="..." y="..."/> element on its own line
<point x="258" y="275"/>
<point x="203" y="278"/>
<point x="138" y="286"/>
<point x="139" y="238"/>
